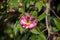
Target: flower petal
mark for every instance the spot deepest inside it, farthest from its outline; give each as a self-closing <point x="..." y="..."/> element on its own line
<point x="32" y="25"/>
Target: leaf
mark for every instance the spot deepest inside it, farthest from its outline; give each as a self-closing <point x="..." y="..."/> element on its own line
<point x="35" y="31"/>
<point x="13" y="3"/>
<point x="42" y="16"/>
<point x="27" y="5"/>
<point x="20" y="27"/>
<point x="11" y="35"/>
<point x="17" y="27"/>
<point x="8" y="31"/>
<point x="58" y="7"/>
<point x="58" y="38"/>
<point x="31" y="2"/>
<point x="38" y="37"/>
<point x="41" y="37"/>
<point x="39" y="5"/>
<point x="57" y="22"/>
<point x="34" y="13"/>
<point x="2" y="13"/>
<point x="25" y="35"/>
<point x="21" y="10"/>
<point x="33" y="37"/>
<point x="54" y="29"/>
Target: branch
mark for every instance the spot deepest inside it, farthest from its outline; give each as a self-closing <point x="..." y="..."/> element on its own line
<point x="54" y="13"/>
<point x="47" y="22"/>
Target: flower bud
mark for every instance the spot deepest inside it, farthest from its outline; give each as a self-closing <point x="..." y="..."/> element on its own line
<point x="20" y="4"/>
<point x="12" y="11"/>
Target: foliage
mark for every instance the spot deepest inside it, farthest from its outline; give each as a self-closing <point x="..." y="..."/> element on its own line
<point x="12" y="10"/>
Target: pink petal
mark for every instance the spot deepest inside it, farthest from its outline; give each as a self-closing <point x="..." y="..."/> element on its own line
<point x="32" y="25"/>
<point x="23" y="17"/>
<point x="22" y="21"/>
<point x="24" y="26"/>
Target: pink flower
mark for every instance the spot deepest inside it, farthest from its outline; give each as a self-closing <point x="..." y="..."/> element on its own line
<point x="27" y="21"/>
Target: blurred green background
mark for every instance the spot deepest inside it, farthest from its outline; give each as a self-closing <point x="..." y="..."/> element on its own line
<point x="12" y="10"/>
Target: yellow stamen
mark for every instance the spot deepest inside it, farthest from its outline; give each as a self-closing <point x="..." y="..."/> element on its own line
<point x="28" y="23"/>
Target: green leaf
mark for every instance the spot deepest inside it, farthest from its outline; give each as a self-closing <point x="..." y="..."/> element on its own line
<point x="8" y="31"/>
<point x="42" y="16"/>
<point x="58" y="38"/>
<point x="2" y="13"/>
<point x="58" y="7"/>
<point x="25" y="35"/>
<point x="33" y="13"/>
<point x="35" y="31"/>
<point x="33" y="37"/>
<point x="57" y="22"/>
<point x="39" y="5"/>
<point x="27" y="5"/>
<point x="13" y="3"/>
<point x="11" y="35"/>
<point x="41" y="37"/>
<point x="54" y="29"/>
<point x="21" y="10"/>
<point x="17" y="27"/>
<point x="38" y="36"/>
<point x="31" y="2"/>
<point x="21" y="29"/>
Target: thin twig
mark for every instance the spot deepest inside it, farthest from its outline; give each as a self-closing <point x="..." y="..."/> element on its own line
<point x="44" y="30"/>
<point x="55" y="13"/>
<point x="47" y="23"/>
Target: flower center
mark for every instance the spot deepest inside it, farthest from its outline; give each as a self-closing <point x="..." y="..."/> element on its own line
<point x="28" y="23"/>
